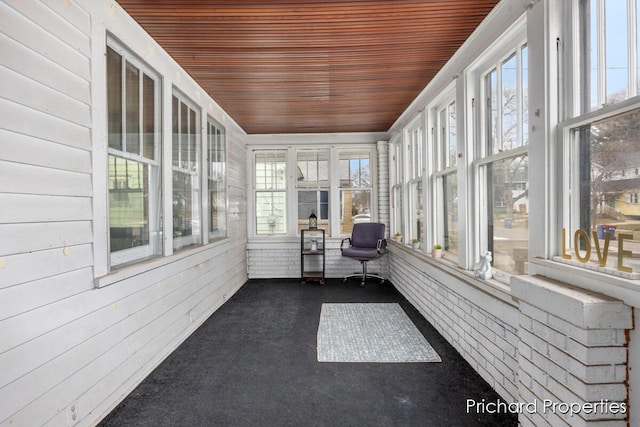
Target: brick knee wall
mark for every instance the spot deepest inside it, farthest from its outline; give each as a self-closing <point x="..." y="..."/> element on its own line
<point x="487" y="339"/>
<point x="547" y="343"/>
<point x="572" y="351"/>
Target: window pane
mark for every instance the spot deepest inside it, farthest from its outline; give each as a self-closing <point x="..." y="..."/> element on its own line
<point x="134" y="203"/>
<point x="607" y="36"/>
<point x="509" y="213"/>
<point x="148" y="119"/>
<point x="452" y="149"/>
<point x="509" y="104"/>
<point x="316" y="201"/>
<point x="128" y="203"/>
<point x="218" y="209"/>
<point x="617" y="64"/>
<point x="271" y="206"/>
<point x="270" y="170"/>
<point x="355" y="206"/>
<point x="593" y="55"/>
<point x="451" y="213"/>
<point x="132" y="142"/>
<point x="217" y="178"/>
<point x="354" y="170"/>
<point x="186" y="178"/>
<point x="270" y="212"/>
<point x="194" y="152"/>
<point x="175" y="120"/>
<point x="609" y="173"/>
<point x="313" y="169"/>
<point x="525" y="94"/>
<point x="183" y="212"/>
<point x="416" y="210"/>
<point x="184" y="136"/>
<point x="114" y="98"/>
<point x="397" y="208"/>
<point x="313" y="173"/>
<point x="491" y="83"/>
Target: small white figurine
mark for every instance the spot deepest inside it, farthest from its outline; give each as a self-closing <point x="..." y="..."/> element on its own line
<point x="483" y="268"/>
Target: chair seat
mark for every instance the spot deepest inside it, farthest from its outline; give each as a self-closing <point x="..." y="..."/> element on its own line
<point x="366" y="243"/>
<point x="364" y="253"/>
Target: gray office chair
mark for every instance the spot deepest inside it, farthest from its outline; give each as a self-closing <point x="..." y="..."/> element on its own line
<point x="366" y="243"/>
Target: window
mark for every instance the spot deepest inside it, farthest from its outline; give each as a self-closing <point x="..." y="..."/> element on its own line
<point x="313" y="187"/>
<point x="414" y="165"/>
<point x="606" y="207"/>
<point x="396" y="187"/>
<point x="504" y="164"/>
<point x="600" y="142"/>
<point x="186" y="173"/>
<point x="355" y="189"/>
<point x="446" y="178"/>
<point x="270" y="192"/>
<point x="610" y="63"/>
<point x="133" y="131"/>
<point x="335" y="183"/>
<point x="216" y="178"/>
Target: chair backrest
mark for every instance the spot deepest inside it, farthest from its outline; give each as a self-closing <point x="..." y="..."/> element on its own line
<point x="367" y="234"/>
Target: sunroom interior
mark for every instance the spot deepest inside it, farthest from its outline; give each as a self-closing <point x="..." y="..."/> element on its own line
<point x="158" y="156"/>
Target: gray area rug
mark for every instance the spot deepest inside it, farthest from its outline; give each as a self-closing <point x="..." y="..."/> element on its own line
<point x="370" y="332"/>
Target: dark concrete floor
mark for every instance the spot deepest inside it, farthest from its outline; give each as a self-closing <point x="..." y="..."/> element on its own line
<point x="254" y="363"/>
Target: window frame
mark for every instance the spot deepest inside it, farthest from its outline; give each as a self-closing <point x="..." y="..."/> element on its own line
<point x="317" y="187"/>
<point x="569" y="207"/>
<point x="155" y="202"/>
<point x="414" y="148"/>
<point x="579" y="113"/>
<point x="396" y="188"/>
<point x="513" y="41"/>
<point x="442" y="167"/>
<point x="291" y="190"/>
<point x="220" y="141"/>
<point x="197" y="236"/>
<point x="285" y="190"/>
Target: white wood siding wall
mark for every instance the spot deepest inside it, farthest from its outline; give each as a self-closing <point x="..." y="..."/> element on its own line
<point x="64" y="342"/>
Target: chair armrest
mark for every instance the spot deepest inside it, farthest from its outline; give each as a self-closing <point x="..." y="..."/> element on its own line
<point x="345" y="240"/>
<point x="382" y="245"/>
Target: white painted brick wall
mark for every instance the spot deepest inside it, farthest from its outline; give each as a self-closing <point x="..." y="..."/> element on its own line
<point x="572" y="349"/>
<point x="279" y="262"/>
<point x="562" y="344"/>
<point x="487" y="342"/>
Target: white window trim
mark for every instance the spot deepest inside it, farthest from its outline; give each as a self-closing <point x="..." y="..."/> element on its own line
<point x="138" y="254"/>
<point x="194" y="239"/>
<point x="569" y="209"/>
<point x="208" y="236"/>
<point x="253" y="191"/>
<point x="395" y="183"/>
<point x="438" y="169"/>
<point x="291" y="190"/>
<point x="414" y="146"/>
<point x="475" y="239"/>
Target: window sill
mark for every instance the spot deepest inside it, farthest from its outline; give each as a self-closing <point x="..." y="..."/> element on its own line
<point x="128" y="271"/>
<point x="443" y="269"/>
<point x="576" y="274"/>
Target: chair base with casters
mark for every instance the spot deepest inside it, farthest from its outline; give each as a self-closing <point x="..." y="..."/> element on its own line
<point x="364" y="275"/>
<point x="367" y="243"/>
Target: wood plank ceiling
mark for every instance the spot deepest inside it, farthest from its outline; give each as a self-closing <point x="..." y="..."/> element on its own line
<point x="286" y="66"/>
